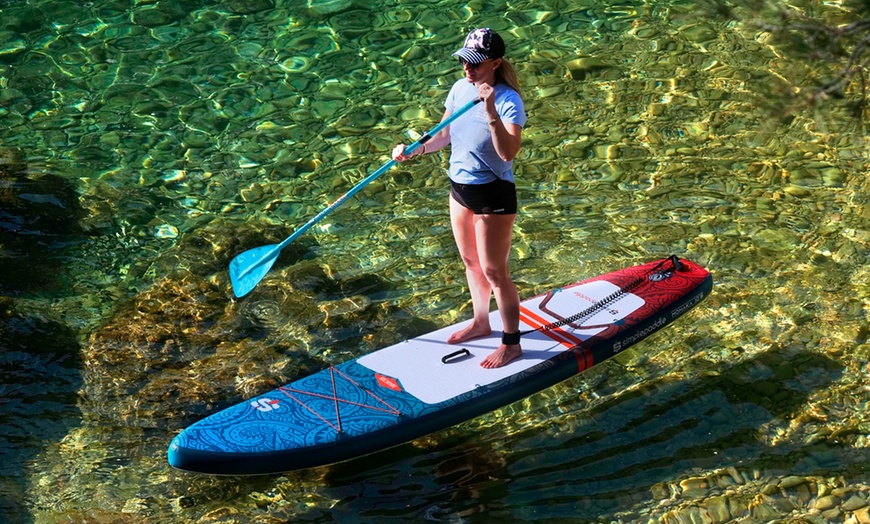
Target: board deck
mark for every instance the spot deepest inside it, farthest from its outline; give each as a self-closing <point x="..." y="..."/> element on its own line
<point x="411" y="389"/>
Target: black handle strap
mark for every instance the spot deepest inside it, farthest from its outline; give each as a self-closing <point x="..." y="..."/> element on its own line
<point x="461" y="353"/>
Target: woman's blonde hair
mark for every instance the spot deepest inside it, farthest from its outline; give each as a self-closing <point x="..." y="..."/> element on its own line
<point x="507" y="74"/>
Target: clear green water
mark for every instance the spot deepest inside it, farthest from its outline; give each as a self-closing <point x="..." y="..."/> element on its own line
<point x="146" y="143"/>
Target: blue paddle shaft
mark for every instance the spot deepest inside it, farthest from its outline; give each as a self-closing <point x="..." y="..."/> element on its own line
<point x="380" y="171"/>
<point x="251" y="260"/>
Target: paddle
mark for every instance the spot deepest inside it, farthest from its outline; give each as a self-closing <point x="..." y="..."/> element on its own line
<point x="248" y="268"/>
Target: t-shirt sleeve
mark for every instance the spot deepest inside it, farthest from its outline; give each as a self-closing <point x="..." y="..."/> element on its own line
<point x="512" y="110"/>
<point x="450" y="101"/>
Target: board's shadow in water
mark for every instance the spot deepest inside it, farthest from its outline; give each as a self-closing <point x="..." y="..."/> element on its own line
<point x="667" y="429"/>
<point x="593" y="460"/>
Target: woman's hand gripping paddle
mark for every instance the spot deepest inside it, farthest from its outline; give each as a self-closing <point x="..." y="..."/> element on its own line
<point x="248" y="268"/>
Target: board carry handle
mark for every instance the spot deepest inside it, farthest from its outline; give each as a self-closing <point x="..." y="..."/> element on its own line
<point x="456" y="354"/>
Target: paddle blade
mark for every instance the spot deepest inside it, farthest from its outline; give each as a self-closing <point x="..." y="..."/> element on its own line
<point x="249" y="268"/>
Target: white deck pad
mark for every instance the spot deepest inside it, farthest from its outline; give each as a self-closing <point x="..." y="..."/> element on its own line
<point x="417" y="365"/>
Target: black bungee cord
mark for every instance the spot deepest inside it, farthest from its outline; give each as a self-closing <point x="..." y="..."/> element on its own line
<point x="594" y="308"/>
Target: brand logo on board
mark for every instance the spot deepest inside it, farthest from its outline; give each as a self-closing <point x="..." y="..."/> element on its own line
<point x="265" y="405"/>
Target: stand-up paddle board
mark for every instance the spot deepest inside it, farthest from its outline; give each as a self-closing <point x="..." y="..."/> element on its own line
<point x="419" y="386"/>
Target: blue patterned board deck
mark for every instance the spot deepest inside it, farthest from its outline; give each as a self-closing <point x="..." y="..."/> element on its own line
<point x="414" y="388"/>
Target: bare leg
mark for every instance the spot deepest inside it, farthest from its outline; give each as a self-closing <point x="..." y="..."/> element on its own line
<point x="493" y="234"/>
<point x="462" y="221"/>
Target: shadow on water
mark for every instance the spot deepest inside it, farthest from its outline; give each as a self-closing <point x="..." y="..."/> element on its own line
<point x="39" y="357"/>
<point x="41" y="370"/>
<point x="39" y="219"/>
<point x="597" y="460"/>
<point x="669" y="428"/>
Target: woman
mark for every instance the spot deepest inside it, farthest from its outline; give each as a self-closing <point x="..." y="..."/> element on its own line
<point x="483" y="199"/>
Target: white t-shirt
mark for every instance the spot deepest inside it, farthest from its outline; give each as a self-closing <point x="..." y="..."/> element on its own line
<point x="473" y="159"/>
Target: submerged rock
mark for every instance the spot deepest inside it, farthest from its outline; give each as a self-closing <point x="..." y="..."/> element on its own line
<point x="12" y="162"/>
<point x="184" y="346"/>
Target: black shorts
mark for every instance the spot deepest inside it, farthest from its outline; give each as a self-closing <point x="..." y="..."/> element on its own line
<point x="494" y="198"/>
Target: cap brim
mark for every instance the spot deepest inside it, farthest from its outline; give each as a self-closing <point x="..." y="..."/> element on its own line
<point x="471" y="56"/>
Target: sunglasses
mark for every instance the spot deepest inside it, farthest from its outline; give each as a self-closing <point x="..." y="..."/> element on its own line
<point x="471" y="66"/>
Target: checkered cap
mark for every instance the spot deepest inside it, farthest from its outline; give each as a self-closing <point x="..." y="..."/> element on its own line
<point x="481" y="44"/>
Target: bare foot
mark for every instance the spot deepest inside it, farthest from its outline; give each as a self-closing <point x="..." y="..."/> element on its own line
<point x="472" y="331"/>
<point x="503" y="355"/>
